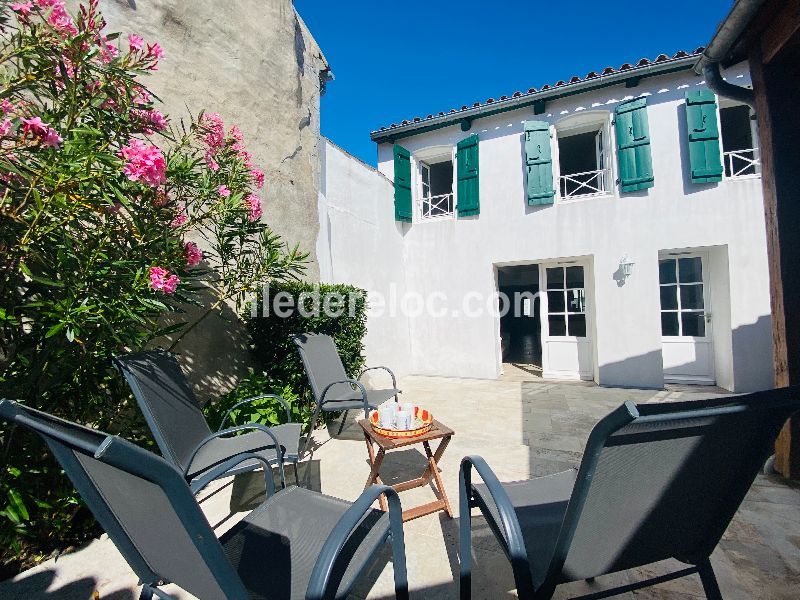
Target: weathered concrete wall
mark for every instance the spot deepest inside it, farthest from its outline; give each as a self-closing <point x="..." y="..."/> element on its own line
<point x="255" y="63"/>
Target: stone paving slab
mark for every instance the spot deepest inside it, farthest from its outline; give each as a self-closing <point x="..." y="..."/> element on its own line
<point x="523" y="427"/>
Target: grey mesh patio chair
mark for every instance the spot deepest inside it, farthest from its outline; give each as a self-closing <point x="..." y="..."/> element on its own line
<point x="297" y="544"/>
<point x="657" y="481"/>
<point x="333" y="390"/>
<point x="180" y="428"/>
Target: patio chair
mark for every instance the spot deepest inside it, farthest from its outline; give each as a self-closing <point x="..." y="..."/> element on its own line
<point x="333" y="390"/>
<point x="657" y="481"/>
<point x="297" y="544"/>
<point x="180" y="428"/>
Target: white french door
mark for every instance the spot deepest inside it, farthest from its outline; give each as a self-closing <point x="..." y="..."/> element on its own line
<point x="686" y="345"/>
<point x="566" y="345"/>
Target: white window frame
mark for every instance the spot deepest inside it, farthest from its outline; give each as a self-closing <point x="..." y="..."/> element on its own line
<point x="422" y="159"/>
<point x="586" y="122"/>
<point x="749" y="155"/>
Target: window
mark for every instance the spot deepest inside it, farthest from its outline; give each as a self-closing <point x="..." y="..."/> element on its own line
<point x="566" y="302"/>
<point x="436" y="188"/>
<point x="740" y="157"/>
<point x="682" y="301"/>
<point x="583" y="165"/>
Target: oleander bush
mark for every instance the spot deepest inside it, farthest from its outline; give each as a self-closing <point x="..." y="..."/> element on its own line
<point x="114" y="220"/>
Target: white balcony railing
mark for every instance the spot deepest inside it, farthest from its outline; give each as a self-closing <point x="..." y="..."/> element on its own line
<point x="434" y="207"/>
<point x="742" y="163"/>
<point x="579" y="185"/>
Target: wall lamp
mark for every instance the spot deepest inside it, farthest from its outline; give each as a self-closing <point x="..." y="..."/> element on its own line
<point x="626" y="266"/>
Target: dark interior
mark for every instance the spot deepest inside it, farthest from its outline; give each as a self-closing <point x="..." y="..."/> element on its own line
<point x="521" y="335"/>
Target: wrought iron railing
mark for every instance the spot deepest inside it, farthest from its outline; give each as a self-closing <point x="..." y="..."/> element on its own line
<point x="579" y="185"/>
<point x="434" y="207"/>
<point x="742" y="163"/>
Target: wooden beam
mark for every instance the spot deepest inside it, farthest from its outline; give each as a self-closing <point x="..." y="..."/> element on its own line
<point x="780" y="30"/>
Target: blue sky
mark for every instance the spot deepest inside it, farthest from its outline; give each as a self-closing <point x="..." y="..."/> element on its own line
<point x="396" y="60"/>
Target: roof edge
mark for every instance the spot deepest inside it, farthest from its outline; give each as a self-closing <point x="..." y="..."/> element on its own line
<point x="431" y="123"/>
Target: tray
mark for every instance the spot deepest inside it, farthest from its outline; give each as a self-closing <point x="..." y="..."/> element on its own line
<point x="423" y="419"/>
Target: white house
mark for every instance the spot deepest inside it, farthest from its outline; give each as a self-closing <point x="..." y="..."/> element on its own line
<point x="627" y="203"/>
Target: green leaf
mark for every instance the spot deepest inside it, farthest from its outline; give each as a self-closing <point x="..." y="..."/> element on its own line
<point x="15" y="500"/>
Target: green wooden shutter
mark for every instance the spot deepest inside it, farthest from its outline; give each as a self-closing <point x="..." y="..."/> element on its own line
<point x="468" y="199"/>
<point x="538" y="163"/>
<point x="402" y="184"/>
<point x="701" y="119"/>
<point x="633" y="146"/>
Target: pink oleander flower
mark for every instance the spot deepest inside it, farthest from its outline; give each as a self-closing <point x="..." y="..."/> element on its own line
<point x="236" y="133"/>
<point x="34" y="126"/>
<point x="253" y="205"/>
<point x="224" y="191"/>
<point x="52" y="139"/>
<point x="210" y="162"/>
<point x="152" y="120"/>
<point x="192" y="253"/>
<point x="143" y="163"/>
<point x="60" y="19"/>
<point x="181" y="218"/>
<point x="23" y="8"/>
<point x="7" y="106"/>
<point x="258" y="176"/>
<point x="155" y="51"/>
<point x="108" y="51"/>
<point x="162" y="280"/>
<point x="214" y="136"/>
<point x="5" y="127"/>
<point x="142" y="97"/>
<point x="135" y="42"/>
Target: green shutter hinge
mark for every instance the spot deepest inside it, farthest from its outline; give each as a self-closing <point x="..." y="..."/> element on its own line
<point x="539" y="106"/>
<point x="466" y="124"/>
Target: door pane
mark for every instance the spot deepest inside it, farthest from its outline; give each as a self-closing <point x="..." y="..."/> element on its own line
<point x="555" y="278"/>
<point x="691" y="296"/>
<point x="577" y="325"/>
<point x="575" y="301"/>
<point x="669" y="297"/>
<point x="690" y="270"/>
<point x="558" y="325"/>
<point x="693" y="324"/>
<point x="666" y="271"/>
<point x="669" y="323"/>
<point x="555" y="302"/>
<point x="574" y="277"/>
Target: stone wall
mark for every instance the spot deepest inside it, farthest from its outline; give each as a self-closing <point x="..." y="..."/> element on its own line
<point x="255" y="63"/>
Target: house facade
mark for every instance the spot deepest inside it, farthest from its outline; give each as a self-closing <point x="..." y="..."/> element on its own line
<point x="620" y="215"/>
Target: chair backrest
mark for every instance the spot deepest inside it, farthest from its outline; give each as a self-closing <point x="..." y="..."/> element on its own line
<point x="664" y="480"/>
<point x="142" y="502"/>
<point x="168" y="403"/>
<point x="322" y="363"/>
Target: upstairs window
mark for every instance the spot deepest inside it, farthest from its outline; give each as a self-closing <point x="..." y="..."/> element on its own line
<point x="740" y="154"/>
<point x="436" y="197"/>
<point x="583" y="163"/>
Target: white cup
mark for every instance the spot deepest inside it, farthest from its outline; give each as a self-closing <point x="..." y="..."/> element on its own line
<point x="408" y="407"/>
<point x="386" y="416"/>
<point x="403" y="419"/>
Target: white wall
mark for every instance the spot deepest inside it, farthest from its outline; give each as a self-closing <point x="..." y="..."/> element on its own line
<point x="360" y="244"/>
<point x="459" y="256"/>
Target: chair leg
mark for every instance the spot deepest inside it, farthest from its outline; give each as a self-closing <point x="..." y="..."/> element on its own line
<point x="296" y="476"/>
<point x="147" y="593"/>
<point x="311" y="428"/>
<point x="710" y="585"/>
<point x="465" y="543"/>
<point x="344" y="420"/>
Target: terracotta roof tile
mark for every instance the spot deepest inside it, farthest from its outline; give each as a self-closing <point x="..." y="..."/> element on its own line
<point x="642" y="62"/>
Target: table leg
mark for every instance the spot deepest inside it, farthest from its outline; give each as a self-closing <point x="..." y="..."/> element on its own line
<point x="433" y="469"/>
<point x="375" y="462"/>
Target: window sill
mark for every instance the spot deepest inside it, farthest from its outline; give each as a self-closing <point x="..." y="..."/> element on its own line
<point x="743" y="177"/>
<point x="584" y="197"/>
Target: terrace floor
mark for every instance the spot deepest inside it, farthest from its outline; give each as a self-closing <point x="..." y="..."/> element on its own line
<point x="523" y="427"/>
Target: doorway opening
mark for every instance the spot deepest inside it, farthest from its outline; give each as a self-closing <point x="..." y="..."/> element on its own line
<point x="521" y="325"/>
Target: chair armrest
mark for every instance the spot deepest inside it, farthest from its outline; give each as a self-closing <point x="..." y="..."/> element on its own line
<point x="508" y="517"/>
<point x="279" y="450"/>
<point x="253" y="399"/>
<point x="352" y="382"/>
<point x="323" y="568"/>
<point x="387" y="369"/>
<point x="201" y="482"/>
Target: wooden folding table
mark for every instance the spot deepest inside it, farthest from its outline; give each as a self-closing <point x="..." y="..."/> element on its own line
<point x="386" y="444"/>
